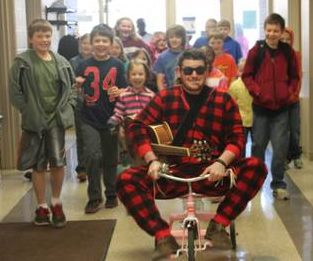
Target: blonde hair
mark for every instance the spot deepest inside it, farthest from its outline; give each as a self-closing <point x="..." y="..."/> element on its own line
<point x="133" y="34"/>
<point x="216" y="35"/>
<point x="224" y="23"/>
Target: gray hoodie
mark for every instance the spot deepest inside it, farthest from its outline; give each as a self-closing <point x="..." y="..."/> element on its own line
<point x="24" y="95"/>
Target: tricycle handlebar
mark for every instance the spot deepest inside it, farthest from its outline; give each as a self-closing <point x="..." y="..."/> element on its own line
<point x="186" y="180"/>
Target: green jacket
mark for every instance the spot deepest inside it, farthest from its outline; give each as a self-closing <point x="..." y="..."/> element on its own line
<point x="24" y="95"/>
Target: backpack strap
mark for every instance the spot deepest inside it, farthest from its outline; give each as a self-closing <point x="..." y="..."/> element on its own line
<point x="190" y="118"/>
<point x="260" y="56"/>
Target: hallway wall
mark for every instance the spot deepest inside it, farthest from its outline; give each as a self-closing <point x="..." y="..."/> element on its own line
<point x="307" y="87"/>
<point x="8" y="43"/>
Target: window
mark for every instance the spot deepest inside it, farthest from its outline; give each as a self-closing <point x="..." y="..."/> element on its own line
<point x="199" y="11"/>
<point x="153" y="11"/>
<point x="248" y="22"/>
<point x="87" y="15"/>
<point x="281" y="7"/>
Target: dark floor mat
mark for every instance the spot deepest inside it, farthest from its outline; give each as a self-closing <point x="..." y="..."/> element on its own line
<point x="79" y="241"/>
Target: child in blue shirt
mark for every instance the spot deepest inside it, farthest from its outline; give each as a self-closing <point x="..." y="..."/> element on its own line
<point x="166" y="63"/>
<point x="231" y="46"/>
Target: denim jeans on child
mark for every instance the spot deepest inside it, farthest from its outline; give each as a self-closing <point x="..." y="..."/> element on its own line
<point x="272" y="127"/>
<point x="100" y="148"/>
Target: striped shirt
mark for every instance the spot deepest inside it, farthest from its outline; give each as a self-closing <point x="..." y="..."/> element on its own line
<point x="131" y="102"/>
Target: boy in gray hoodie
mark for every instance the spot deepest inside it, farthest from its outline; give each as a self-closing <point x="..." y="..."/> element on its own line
<point x="41" y="84"/>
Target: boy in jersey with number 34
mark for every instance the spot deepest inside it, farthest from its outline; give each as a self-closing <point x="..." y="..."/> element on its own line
<point x="101" y="78"/>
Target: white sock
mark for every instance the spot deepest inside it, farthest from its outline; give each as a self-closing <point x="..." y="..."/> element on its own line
<point x="55" y="201"/>
<point x="43" y="205"/>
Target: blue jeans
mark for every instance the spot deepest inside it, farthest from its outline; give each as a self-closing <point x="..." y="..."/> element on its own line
<point x="273" y="128"/>
<point x="100" y="147"/>
<point x="295" y="150"/>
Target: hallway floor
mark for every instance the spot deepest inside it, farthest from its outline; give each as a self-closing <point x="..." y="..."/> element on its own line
<point x="267" y="230"/>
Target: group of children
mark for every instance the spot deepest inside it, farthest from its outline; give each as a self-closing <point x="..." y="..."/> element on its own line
<point x="113" y="81"/>
<point x="100" y="79"/>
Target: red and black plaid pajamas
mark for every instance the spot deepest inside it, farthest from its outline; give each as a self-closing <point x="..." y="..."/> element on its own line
<point x="218" y="123"/>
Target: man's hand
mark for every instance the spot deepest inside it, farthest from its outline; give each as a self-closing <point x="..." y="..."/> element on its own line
<point x="154" y="169"/>
<point x="154" y="164"/>
<point x="216" y="170"/>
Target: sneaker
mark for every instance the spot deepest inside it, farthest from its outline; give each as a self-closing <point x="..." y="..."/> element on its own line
<point x="164" y="248"/>
<point x="82" y="176"/>
<point x="218" y="235"/>
<point x="111" y="203"/>
<point x="93" y="206"/>
<point x="281" y="194"/>
<point x="298" y="163"/>
<point x="58" y="217"/>
<point x="42" y="217"/>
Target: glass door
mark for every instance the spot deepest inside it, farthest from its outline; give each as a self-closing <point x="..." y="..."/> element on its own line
<point x="248" y="22"/>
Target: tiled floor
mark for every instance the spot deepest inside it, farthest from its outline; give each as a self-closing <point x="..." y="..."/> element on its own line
<point x="267" y="230"/>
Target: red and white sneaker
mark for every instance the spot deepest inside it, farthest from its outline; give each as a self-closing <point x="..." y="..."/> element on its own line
<point x="42" y="217"/>
<point x="58" y="217"/>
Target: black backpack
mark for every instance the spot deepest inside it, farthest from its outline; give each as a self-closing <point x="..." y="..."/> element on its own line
<point x="287" y="50"/>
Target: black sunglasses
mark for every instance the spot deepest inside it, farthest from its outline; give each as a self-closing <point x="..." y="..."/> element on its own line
<point x="189" y="70"/>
